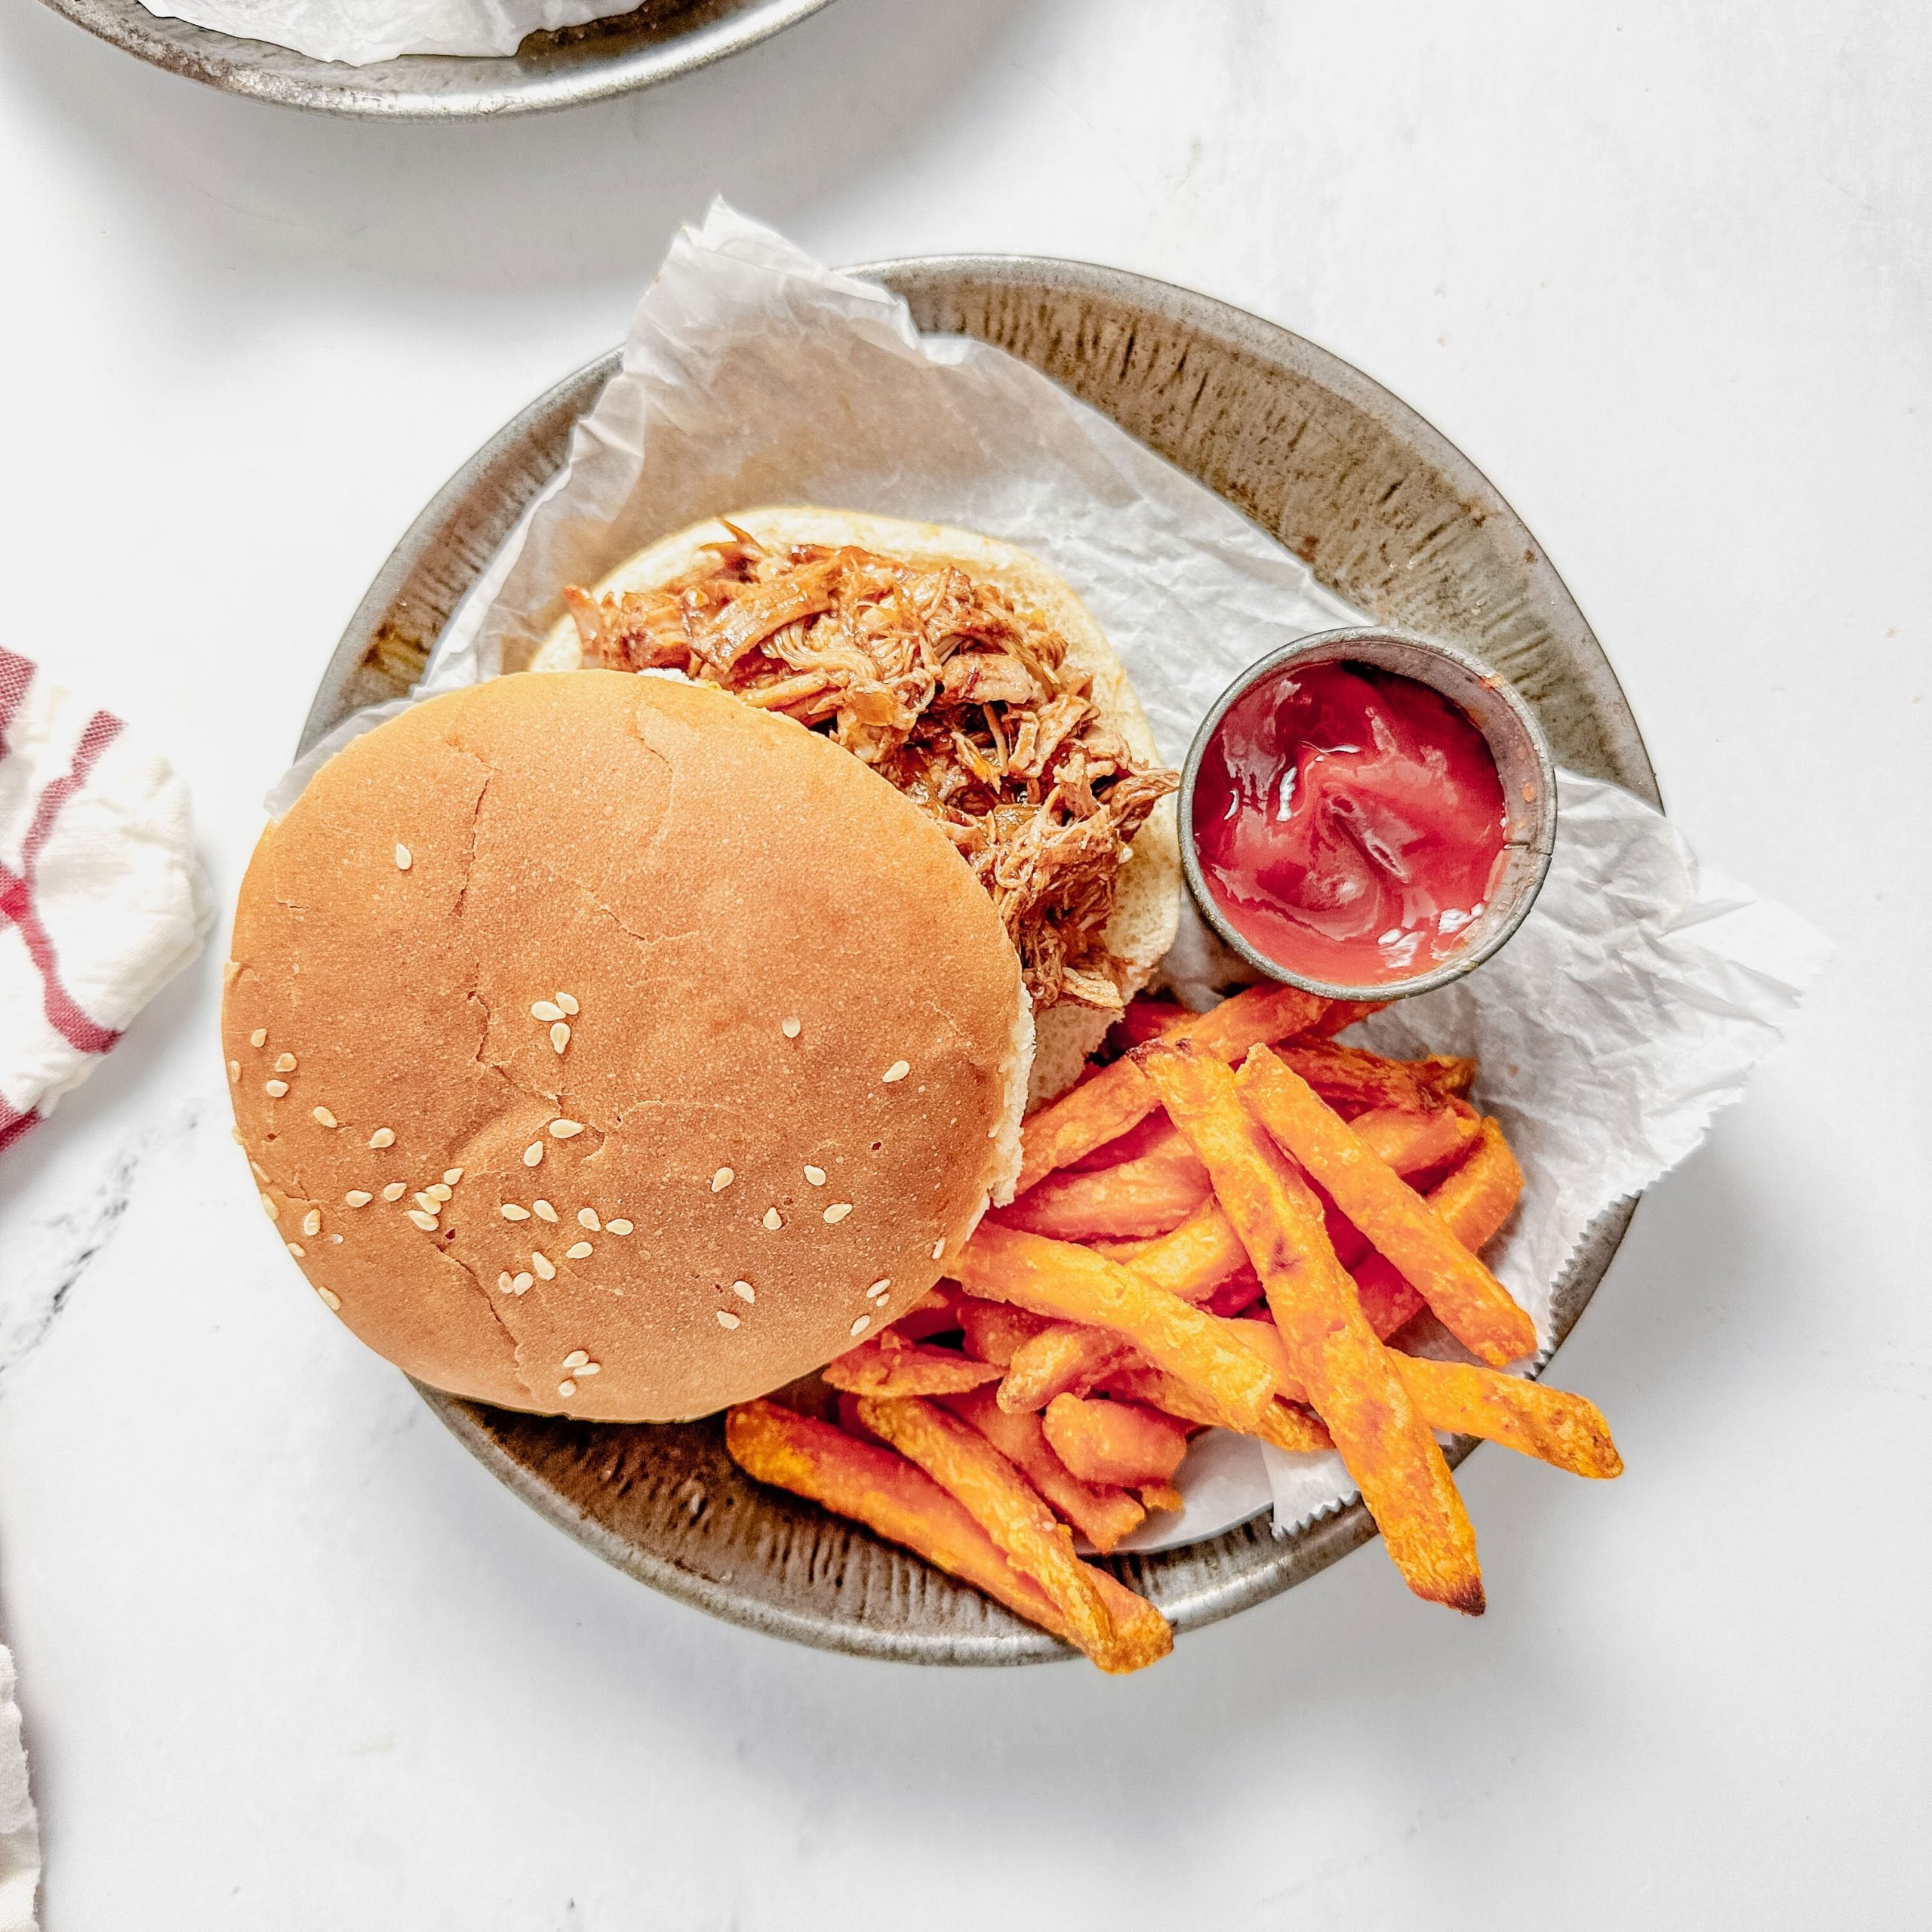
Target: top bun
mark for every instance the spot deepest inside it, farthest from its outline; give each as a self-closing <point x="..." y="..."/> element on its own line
<point x="1148" y="909"/>
<point x="796" y="1058"/>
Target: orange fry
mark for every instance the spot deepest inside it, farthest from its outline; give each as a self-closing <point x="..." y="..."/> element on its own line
<point x="1147" y="1195"/>
<point x="963" y="1463"/>
<point x="1287" y="1424"/>
<point x="1474" y="1201"/>
<point x="1067" y="1358"/>
<point x="1352" y="1382"/>
<point x="1100" y="1109"/>
<point x="1103" y="1514"/>
<point x="888" y="1366"/>
<point x="1161" y="1495"/>
<point x="1073" y="1284"/>
<point x="878" y="1487"/>
<point x="1467" y="1299"/>
<point x="1410" y="1142"/>
<point x="1195" y="1259"/>
<point x="1122" y="1442"/>
<point x="1353" y="1077"/>
<point x="992" y="1331"/>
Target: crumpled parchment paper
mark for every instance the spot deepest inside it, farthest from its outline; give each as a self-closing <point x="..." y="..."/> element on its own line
<point x="1630" y="1006"/>
<point x="357" y="33"/>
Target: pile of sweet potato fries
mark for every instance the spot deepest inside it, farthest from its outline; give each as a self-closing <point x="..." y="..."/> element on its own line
<point x="1229" y="1226"/>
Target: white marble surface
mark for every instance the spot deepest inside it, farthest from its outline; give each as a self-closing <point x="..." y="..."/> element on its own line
<point x="288" y="1658"/>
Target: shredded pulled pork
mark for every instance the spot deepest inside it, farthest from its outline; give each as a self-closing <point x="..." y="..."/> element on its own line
<point x="945" y="687"/>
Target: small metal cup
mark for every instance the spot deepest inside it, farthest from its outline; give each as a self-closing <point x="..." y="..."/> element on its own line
<point x="1515" y="741"/>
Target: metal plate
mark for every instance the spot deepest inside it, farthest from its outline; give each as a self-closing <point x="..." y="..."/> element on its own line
<point x="657" y="41"/>
<point x="1387" y="514"/>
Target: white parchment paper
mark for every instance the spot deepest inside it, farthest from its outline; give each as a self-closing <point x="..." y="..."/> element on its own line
<point x="358" y="32"/>
<point x="1630" y="1006"/>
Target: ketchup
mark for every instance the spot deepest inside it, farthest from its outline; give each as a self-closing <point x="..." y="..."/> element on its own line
<point x="1349" y="823"/>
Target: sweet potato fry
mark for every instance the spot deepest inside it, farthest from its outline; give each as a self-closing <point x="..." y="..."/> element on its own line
<point x="1467" y="1299"/>
<point x="878" y="1487"/>
<point x="1352" y="1382"/>
<point x="1474" y="1201"/>
<point x="1161" y="1495"/>
<point x="963" y="1463"/>
<point x="992" y="1331"/>
<point x="1195" y="1259"/>
<point x="1461" y="1399"/>
<point x="1341" y="1014"/>
<point x="1066" y="1358"/>
<point x="1074" y="1283"/>
<point x="888" y="1365"/>
<point x="1148" y="1195"/>
<point x="1410" y="1142"/>
<point x="1122" y="1442"/>
<point x="1354" y="1078"/>
<point x="1287" y="1424"/>
<point x="1100" y="1109"/>
<point x="1103" y="1514"/>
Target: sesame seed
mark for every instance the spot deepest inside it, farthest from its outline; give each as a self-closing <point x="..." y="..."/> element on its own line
<point x="577" y="1358"/>
<point x="274" y="1089"/>
<point x="618" y="1227"/>
<point x="721" y="1180"/>
<point x="234" y="1072"/>
<point x="522" y="1285"/>
<point x="568" y="1002"/>
<point x="879" y="1286"/>
<point x="544" y="1010"/>
<point x="815" y="1176"/>
<point x="323" y="1117"/>
<point x="744" y="1291"/>
<point x="231" y="970"/>
<point x="260" y="1173"/>
<point x="567" y="1387"/>
<point x="560" y="1036"/>
<point x="284" y="1063"/>
<point x="726" y="1319"/>
<point x="312" y="1221"/>
<point x="860" y="1327"/>
<point x="562" y="1130"/>
<point x="511" y="1211"/>
<point x="440" y="1190"/>
<point x="546" y="1269"/>
<point x="898" y="1070"/>
<point x="384" y="1136"/>
<point x="774" y="1220"/>
<point x="939" y="1247"/>
<point x="586" y="1218"/>
<point x="578" y="1250"/>
<point x="259" y="1038"/>
<point x="838" y="1211"/>
<point x="270" y="1209"/>
<point x="533" y="1154"/>
<point x="789" y="1028"/>
<point x="543" y="1210"/>
<point x="451" y="1176"/>
<point x="358" y="1197"/>
<point x="395" y="1190"/>
<point x="330" y="1298"/>
<point x="427" y="1222"/>
<point x="429" y="1203"/>
<point x="592" y="1368"/>
<point x="503" y="1282"/>
<point x="403" y="861"/>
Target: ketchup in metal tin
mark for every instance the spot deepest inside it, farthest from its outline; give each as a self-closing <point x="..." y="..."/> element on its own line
<point x="1349" y="823"/>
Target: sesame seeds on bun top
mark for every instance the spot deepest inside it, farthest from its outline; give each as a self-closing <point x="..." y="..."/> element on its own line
<point x="602" y="1045"/>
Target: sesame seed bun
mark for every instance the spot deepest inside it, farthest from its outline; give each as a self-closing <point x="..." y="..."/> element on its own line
<point x="1148" y="909"/>
<point x="676" y="879"/>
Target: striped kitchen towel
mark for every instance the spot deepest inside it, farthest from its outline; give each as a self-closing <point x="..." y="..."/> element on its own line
<point x="101" y="900"/>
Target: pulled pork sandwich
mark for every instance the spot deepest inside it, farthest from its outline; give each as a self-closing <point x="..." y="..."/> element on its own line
<point x="584" y="1065"/>
<point x="967" y="675"/>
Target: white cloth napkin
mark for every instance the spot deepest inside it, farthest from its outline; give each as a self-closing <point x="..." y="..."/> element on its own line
<point x="101" y="903"/>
